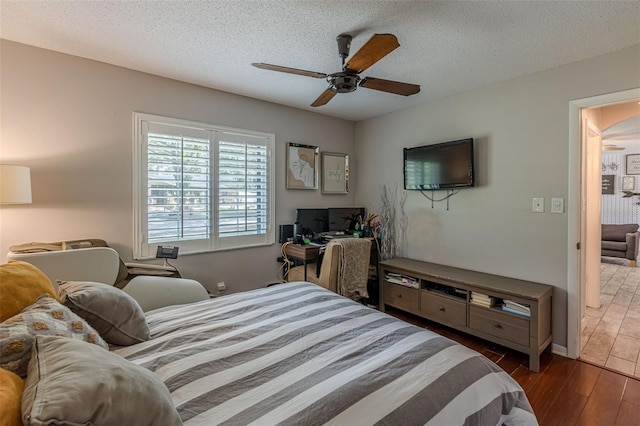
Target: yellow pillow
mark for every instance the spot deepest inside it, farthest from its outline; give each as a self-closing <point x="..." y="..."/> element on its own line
<point x="11" y="387"/>
<point x="21" y="284"/>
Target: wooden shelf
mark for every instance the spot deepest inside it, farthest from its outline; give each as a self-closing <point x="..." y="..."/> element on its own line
<point x="444" y="296"/>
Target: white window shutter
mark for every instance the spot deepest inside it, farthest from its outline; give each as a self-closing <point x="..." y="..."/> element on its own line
<point x="205" y="187"/>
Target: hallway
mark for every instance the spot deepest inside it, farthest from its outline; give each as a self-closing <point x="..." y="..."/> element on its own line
<point x="611" y="336"/>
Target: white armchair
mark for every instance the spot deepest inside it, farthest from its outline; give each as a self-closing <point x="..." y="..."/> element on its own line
<point x="101" y="264"/>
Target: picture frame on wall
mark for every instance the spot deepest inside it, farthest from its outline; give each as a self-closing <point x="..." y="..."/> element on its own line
<point x="628" y="183"/>
<point x="633" y="164"/>
<point x="608" y="184"/>
<point x="335" y="173"/>
<point x="302" y="166"/>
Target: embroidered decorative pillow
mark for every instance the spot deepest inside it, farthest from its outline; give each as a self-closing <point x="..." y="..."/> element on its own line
<point x="45" y="317"/>
<point x="113" y="313"/>
<point x="75" y="383"/>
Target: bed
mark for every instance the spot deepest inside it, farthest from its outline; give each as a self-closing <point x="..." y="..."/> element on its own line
<point x="296" y="353"/>
<point x="86" y="353"/>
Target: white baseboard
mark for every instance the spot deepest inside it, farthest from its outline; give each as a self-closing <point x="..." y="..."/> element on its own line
<point x="558" y="350"/>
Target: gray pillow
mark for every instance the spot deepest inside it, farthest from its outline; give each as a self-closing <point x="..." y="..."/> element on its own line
<point x="73" y="382"/>
<point x="113" y="313"/>
<point x="45" y="317"/>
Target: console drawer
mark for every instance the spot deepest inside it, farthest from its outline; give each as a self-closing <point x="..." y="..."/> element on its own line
<point x="401" y="297"/>
<point x="442" y="309"/>
<point x="500" y="324"/>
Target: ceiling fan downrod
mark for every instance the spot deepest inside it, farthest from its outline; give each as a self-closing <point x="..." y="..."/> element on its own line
<point x="344" y="45"/>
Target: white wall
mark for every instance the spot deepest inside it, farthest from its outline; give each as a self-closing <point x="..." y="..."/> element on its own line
<point x="70" y="120"/>
<point x="616" y="208"/>
<point x="521" y="129"/>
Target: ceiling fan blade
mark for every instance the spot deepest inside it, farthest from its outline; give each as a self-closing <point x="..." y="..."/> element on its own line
<point x="323" y="99"/>
<point x="390" y="86"/>
<point x="290" y="70"/>
<point x="378" y="46"/>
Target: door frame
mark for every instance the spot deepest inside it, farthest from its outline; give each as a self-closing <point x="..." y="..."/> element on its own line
<point x="575" y="282"/>
<point x="590" y="217"/>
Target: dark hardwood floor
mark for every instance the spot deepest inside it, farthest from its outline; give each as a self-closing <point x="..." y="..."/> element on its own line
<point x="566" y="391"/>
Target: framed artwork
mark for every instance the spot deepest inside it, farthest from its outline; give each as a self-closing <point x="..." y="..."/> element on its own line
<point x="302" y="166"/>
<point x="335" y="173"/>
<point x="633" y="164"/>
<point x="628" y="183"/>
<point x="608" y="184"/>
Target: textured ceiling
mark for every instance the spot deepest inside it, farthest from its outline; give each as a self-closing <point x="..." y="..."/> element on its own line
<point x="445" y="47"/>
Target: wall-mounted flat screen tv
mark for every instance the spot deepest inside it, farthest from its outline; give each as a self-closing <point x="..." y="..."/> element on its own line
<point x="439" y="166"/>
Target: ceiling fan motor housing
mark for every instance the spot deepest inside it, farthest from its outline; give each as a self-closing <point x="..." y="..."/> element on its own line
<point x="343" y="82"/>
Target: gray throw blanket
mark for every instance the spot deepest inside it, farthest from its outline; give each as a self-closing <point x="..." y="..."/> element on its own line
<point x="354" y="269"/>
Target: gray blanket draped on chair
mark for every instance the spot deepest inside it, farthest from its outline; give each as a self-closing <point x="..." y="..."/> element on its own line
<point x="354" y="268"/>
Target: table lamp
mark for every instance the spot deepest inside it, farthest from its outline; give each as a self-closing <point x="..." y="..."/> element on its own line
<point x="15" y="184"/>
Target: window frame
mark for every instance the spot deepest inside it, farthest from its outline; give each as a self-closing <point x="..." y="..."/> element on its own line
<point x="144" y="250"/>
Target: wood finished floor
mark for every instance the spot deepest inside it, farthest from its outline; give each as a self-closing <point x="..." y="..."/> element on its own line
<point x="566" y="391"/>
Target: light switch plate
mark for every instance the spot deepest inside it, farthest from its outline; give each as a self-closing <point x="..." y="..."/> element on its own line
<point x="537" y="205"/>
<point x="557" y="205"/>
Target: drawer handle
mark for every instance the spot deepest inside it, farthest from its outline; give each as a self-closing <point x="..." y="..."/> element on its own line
<point x="497" y="325"/>
<point x="442" y="308"/>
<point x="399" y="296"/>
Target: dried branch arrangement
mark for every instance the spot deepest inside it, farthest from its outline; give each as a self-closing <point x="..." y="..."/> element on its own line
<point x="388" y="200"/>
<point x="390" y="203"/>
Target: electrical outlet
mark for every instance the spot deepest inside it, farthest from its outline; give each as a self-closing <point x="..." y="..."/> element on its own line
<point x="537" y="205"/>
<point x="557" y="205"/>
<point x="221" y="287"/>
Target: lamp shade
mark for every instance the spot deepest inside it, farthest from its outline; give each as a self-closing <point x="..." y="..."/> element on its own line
<point x="15" y="184"/>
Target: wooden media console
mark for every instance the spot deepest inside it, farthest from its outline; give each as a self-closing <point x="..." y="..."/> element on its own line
<point x="507" y="311"/>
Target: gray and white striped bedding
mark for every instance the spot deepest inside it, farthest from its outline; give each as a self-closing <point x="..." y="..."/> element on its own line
<point x="301" y="355"/>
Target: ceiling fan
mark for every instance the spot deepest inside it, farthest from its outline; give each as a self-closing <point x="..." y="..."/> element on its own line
<point x="347" y="80"/>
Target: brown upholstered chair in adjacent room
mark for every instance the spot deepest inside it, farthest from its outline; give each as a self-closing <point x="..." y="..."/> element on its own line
<point x="344" y="269"/>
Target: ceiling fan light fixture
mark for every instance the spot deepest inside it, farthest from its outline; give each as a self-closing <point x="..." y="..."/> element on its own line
<point x="343" y="82"/>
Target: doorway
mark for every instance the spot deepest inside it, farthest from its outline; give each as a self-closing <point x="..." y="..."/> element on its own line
<point x="585" y="188"/>
<point x="590" y="223"/>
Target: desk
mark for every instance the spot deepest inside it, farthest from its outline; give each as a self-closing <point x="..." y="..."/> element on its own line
<point x="302" y="252"/>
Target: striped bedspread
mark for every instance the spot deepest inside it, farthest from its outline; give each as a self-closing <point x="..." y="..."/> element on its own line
<point x="298" y="354"/>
